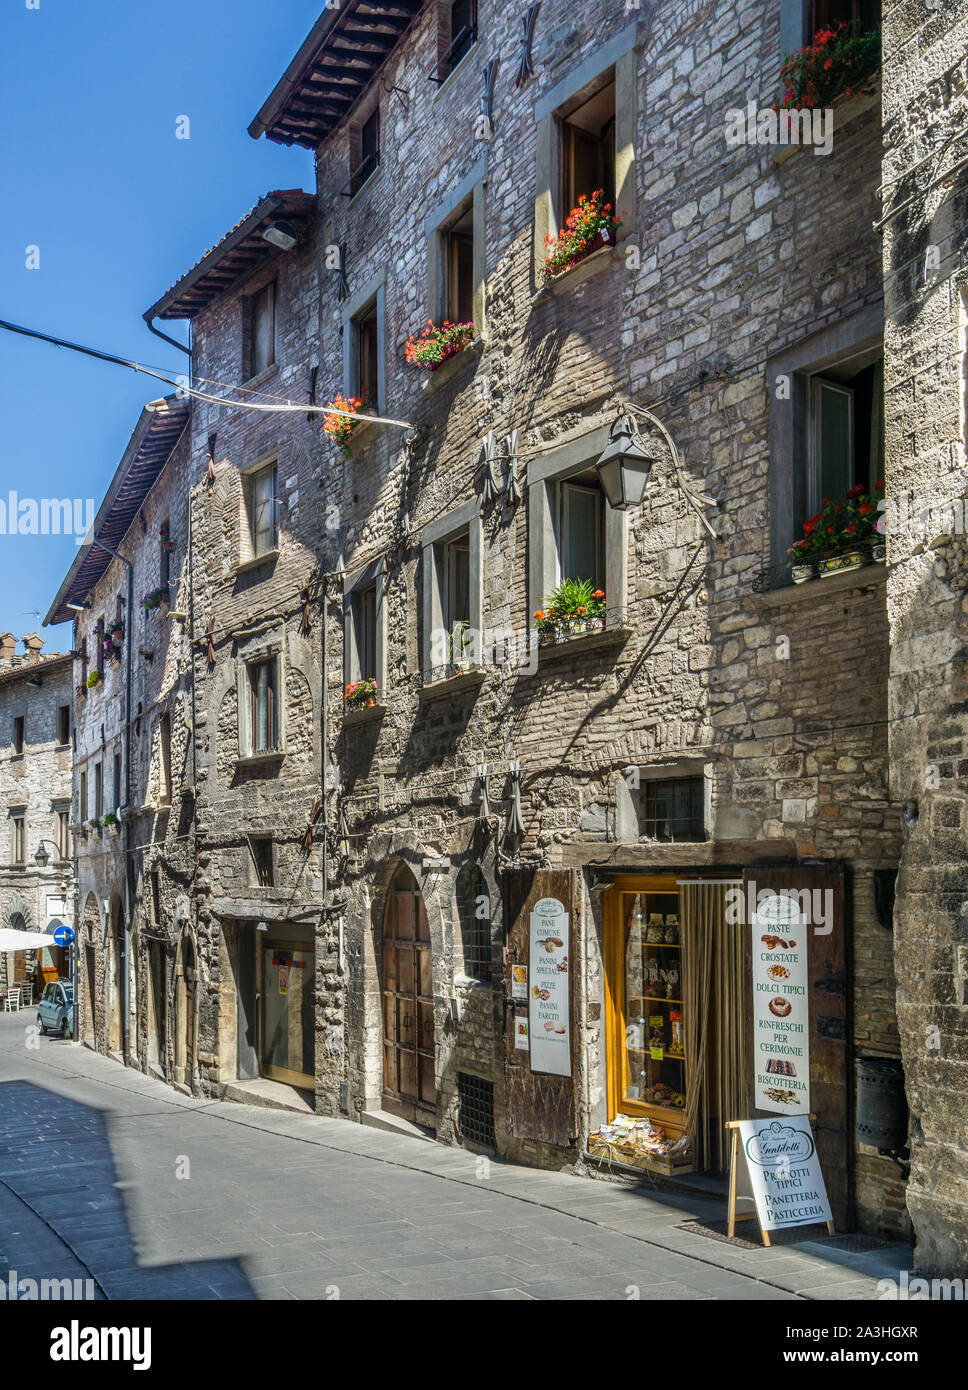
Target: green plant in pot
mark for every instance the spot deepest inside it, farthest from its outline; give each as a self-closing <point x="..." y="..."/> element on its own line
<point x="576" y="606"/>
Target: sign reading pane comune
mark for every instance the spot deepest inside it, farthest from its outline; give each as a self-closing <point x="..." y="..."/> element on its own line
<point x="548" y="1000"/>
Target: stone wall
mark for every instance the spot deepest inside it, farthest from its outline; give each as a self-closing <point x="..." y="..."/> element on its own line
<point x="728" y="258"/>
<point x="156" y="827"/>
<point x="924" y="270"/>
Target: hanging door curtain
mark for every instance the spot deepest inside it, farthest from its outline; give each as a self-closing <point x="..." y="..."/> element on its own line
<point x="716" y="1011"/>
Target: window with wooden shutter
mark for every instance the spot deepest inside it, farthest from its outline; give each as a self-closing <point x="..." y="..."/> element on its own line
<point x="459" y="251"/>
<point x="260" y="312"/>
<point x="588" y="150"/>
<point x="263" y="510"/>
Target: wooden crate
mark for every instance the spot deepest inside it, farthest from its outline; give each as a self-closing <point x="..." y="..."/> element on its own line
<point x="635" y="1158"/>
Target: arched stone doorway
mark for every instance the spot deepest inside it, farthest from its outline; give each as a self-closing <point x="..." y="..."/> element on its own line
<point x="409" y="1058"/>
<point x="185" y="1013"/>
<point x="87" y="970"/>
<point x="17" y="962"/>
<point x="115" y="980"/>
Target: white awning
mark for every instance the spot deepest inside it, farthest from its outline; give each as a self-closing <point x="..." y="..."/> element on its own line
<point x="12" y="940"/>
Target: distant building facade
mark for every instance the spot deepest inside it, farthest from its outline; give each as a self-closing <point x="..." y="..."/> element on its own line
<point x="133" y="803"/>
<point x="35" y="803"/>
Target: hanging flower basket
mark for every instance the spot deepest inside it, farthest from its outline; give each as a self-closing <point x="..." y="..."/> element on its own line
<point x="588" y="228"/>
<point x="435" y="345"/>
<point x="339" y="427"/>
<point x="361" y="694"/>
<point x="94" y="678"/>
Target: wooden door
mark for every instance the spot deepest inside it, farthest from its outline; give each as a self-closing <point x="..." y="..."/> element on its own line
<point x="409" y="1062"/>
<point x="539" y="1106"/>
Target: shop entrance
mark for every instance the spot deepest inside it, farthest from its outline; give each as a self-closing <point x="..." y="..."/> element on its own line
<point x="288" y="1014"/>
<point x="157" y="1006"/>
<point x="409" y="1077"/>
<point x="677" y="1003"/>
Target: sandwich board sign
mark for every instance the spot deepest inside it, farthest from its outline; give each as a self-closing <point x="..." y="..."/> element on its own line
<point x="779" y="1158"/>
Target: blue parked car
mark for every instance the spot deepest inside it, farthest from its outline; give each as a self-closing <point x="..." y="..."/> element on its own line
<point x="55" y="1012"/>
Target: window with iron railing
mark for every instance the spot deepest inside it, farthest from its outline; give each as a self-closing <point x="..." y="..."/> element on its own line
<point x="364" y="154"/>
<point x="456" y="36"/>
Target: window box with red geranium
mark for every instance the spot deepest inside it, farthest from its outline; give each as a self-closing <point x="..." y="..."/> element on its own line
<point x="360" y="694"/>
<point x="839" y="62"/>
<point x="436" y="345"/>
<point x="589" y="227"/>
<point x="842" y="536"/>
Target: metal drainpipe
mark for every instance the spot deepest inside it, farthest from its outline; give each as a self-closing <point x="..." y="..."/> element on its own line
<point x="128" y="866"/>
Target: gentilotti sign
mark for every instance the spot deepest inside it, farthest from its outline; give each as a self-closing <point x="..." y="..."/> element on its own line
<point x="548" y="994"/>
<point x="784" y="1169"/>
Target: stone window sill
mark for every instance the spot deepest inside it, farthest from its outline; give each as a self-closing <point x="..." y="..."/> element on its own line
<point x="361" y="429"/>
<point x="267" y="375"/>
<point x="363" y="714"/>
<point x="577" y="646"/>
<point x="364" y="187"/>
<point x="269" y="558"/>
<point x="259" y="760"/>
<point x="815" y="590"/>
<point x="453" y="365"/>
<point x="455" y="72"/>
<point x="569" y="280"/>
<point x="845" y="109"/>
<point x="453" y="685"/>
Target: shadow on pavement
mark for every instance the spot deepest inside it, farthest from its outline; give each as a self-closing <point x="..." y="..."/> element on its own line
<point x="55" y="1156"/>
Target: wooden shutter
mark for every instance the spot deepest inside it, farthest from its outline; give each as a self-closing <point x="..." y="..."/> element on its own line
<point x="539" y="1106"/>
<point x="831" y="1056"/>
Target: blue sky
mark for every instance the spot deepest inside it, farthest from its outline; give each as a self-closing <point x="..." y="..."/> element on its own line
<point x="94" y="177"/>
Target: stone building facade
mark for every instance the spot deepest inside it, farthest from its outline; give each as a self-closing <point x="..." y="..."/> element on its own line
<point x="923" y="216"/>
<point x="362" y="879"/>
<point x="128" y="594"/>
<point x="741" y="275"/>
<point x="265" y="546"/>
<point x="35" y="796"/>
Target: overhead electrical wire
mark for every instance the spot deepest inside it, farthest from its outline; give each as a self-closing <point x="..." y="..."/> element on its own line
<point x="287" y="407"/>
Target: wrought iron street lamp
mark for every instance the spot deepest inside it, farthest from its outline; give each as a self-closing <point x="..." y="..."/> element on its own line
<point x="625" y="466"/>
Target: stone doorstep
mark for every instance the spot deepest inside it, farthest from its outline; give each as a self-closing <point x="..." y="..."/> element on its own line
<point x="270" y="1095"/>
<point x="395" y="1124"/>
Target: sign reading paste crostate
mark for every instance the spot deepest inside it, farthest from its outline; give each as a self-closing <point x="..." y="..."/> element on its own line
<point x="548" y="993"/>
<point x="781" y="1012"/>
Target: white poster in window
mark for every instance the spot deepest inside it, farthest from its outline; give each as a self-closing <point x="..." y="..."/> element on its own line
<point x="549" y="995"/>
<point x="784" y="1169"/>
<point x="781" y="1008"/>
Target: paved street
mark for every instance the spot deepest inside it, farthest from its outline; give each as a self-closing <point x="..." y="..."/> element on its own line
<point x="109" y="1175"/>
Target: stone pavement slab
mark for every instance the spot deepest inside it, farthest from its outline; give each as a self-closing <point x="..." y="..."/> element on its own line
<point x="155" y="1194"/>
